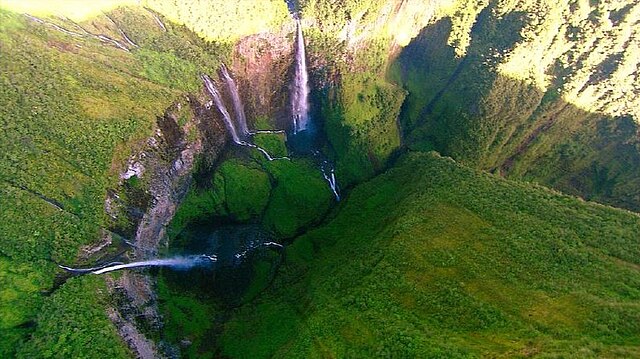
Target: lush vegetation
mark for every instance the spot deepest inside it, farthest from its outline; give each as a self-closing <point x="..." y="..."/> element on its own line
<point x="286" y="196"/>
<point x="477" y="92"/>
<point x="73" y="110"/>
<point x="73" y="323"/>
<point x="67" y="114"/>
<point x="224" y="21"/>
<point x="432" y="259"/>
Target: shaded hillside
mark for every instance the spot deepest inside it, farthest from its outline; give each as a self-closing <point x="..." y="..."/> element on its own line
<point x="474" y="106"/>
<point x="432" y="259"/>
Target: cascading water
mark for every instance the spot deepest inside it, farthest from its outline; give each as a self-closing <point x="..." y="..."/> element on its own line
<point x="241" y="119"/>
<point x="300" y="95"/>
<point x="300" y="106"/>
<point x="180" y="263"/>
<point x="238" y="137"/>
<point x="253" y="246"/>
<point x="208" y="83"/>
<point x="329" y="174"/>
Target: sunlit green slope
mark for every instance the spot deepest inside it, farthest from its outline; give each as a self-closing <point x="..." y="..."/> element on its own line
<point x="545" y="91"/>
<point x="73" y="109"/>
<point x="432" y="259"/>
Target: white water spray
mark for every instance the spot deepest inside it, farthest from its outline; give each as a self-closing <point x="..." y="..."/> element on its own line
<point x="253" y="245"/>
<point x="208" y="83"/>
<point x="300" y="95"/>
<point x="330" y="176"/>
<point x="180" y="263"/>
<point x="241" y="119"/>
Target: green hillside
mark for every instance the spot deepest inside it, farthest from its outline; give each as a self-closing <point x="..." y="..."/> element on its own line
<point x="432" y="259"/>
<point x="73" y="110"/>
<point x="543" y="91"/>
<point x="480" y="147"/>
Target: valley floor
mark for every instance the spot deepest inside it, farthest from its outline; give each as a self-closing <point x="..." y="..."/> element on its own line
<point x="432" y="259"/>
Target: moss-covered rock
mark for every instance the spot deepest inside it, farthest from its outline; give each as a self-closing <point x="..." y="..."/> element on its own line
<point x="299" y="198"/>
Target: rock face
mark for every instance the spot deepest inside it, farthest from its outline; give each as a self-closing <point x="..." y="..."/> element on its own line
<point x="261" y="66"/>
<point x="168" y="160"/>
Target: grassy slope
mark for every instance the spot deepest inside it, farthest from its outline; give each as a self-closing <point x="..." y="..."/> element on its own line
<point x="72" y="109"/>
<point x="557" y="120"/>
<point x="65" y="112"/>
<point x="432" y="259"/>
<point x="221" y="20"/>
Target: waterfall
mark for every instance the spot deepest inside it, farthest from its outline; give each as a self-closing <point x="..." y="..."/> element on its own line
<point x="178" y="262"/>
<point x="226" y="117"/>
<point x="241" y="119"/>
<point x="181" y="263"/>
<point x="300" y="95"/>
<point x="328" y="172"/>
<point x="222" y="108"/>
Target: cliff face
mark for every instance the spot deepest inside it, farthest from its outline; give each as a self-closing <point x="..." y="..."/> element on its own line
<point x="110" y="106"/>
<point x="261" y="65"/>
<point x="113" y="123"/>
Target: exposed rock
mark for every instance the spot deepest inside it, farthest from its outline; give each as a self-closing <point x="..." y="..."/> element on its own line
<point x="168" y="162"/>
<point x="261" y="62"/>
<point x="142" y="347"/>
<point x="89" y="250"/>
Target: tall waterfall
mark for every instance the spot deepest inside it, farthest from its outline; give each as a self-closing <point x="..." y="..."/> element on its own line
<point x="241" y="119"/>
<point x="300" y="95"/>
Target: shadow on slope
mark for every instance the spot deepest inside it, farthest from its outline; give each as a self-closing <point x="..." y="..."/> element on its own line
<point x="462" y="107"/>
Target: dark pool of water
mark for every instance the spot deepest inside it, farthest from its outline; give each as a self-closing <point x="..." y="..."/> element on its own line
<point x="245" y="264"/>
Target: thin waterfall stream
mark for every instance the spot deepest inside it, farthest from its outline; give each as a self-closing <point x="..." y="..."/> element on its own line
<point x="178" y="262"/>
<point x="237" y="136"/>
<point x="238" y="108"/>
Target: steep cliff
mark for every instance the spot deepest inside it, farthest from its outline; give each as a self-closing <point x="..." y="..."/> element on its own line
<point x="111" y="149"/>
<point x="103" y="123"/>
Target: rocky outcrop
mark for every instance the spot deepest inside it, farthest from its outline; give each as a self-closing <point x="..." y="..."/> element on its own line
<point x="262" y="65"/>
<point x="168" y="160"/>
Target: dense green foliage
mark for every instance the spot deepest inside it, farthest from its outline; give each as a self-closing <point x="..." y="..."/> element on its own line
<point x="487" y="104"/>
<point x="432" y="259"/>
<point x="285" y="196"/>
<point x="233" y="20"/>
<point x="239" y="191"/>
<point x="73" y="323"/>
<point x="187" y="316"/>
<point x="361" y="126"/>
<point x="300" y="197"/>
<point x="72" y="110"/>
